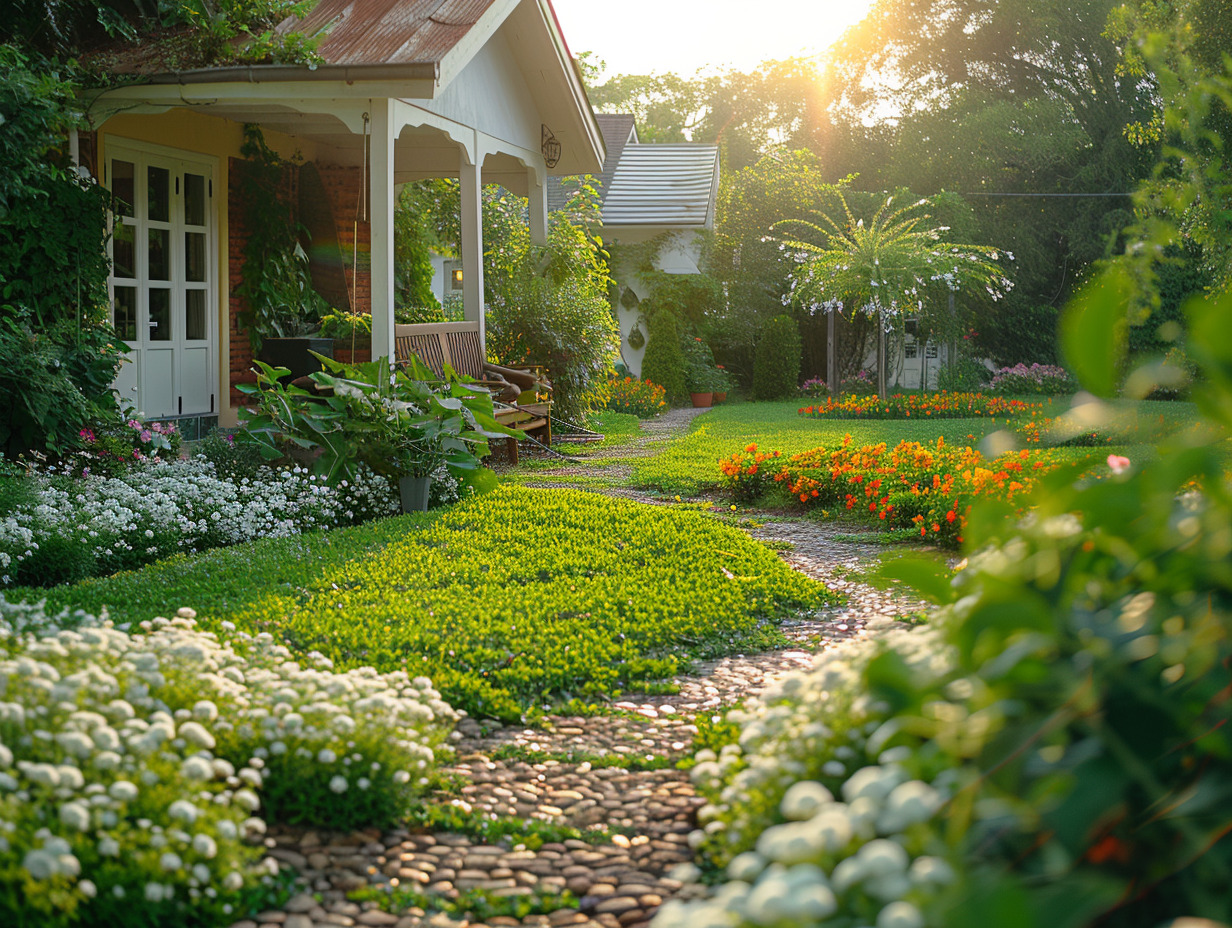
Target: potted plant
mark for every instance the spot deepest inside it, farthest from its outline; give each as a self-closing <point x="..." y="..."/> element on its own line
<point x="404" y="424"/>
<point x="703" y="381"/>
<point x="722" y="383"/>
<point x="351" y="334"/>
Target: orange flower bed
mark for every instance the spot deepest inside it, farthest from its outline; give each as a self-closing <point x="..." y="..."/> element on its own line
<point x="919" y="406"/>
<point x="926" y="487"/>
<point x="637" y="397"/>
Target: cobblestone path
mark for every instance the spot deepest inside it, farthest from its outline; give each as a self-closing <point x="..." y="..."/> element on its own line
<point x="564" y="772"/>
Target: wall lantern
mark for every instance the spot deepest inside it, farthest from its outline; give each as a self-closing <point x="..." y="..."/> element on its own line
<point x="550" y="148"/>
<point x="457" y="278"/>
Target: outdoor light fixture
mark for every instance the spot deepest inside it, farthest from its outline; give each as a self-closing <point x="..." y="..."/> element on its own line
<point x="550" y="148"/>
<point x="457" y="278"/>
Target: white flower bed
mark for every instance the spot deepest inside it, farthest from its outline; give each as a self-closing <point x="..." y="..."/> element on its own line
<point x="156" y="509"/>
<point x="133" y="765"/>
<point x="820" y="811"/>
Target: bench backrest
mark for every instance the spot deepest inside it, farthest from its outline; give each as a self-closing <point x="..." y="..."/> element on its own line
<point x="439" y="343"/>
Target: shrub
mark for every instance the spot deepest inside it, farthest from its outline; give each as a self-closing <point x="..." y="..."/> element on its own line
<point x="664" y="362"/>
<point x="344" y="325"/>
<point x="776" y="366"/>
<point x="814" y="388"/>
<point x="111" y="446"/>
<point x="128" y="787"/>
<point x="75" y="526"/>
<point x="863" y="383"/>
<point x="232" y="460"/>
<point x="548" y="305"/>
<point x="963" y="375"/>
<point x="1038" y="379"/>
<point x="397" y="422"/>
<point x="55" y="379"/>
<point x="58" y="352"/>
<point x="637" y="397"/>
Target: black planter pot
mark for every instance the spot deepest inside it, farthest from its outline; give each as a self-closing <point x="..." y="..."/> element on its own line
<point x="414" y="493"/>
<point x="292" y="353"/>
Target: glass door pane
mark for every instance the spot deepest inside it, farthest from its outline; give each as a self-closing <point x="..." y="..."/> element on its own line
<point x="160" y="315"/>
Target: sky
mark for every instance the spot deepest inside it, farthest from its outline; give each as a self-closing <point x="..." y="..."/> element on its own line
<point x="681" y="36"/>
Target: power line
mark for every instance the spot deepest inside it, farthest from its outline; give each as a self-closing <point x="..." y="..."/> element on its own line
<point x="1050" y="195"/>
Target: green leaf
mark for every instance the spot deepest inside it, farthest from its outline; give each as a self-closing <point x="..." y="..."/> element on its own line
<point x="928" y="576"/>
<point x="1093" y="330"/>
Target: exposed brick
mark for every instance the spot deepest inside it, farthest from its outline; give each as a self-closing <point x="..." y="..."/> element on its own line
<point x="342" y="186"/>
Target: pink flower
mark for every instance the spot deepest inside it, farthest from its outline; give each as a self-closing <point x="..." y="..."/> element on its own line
<point x="1118" y="464"/>
<point x="87" y="435"/>
<point x="145" y="436"/>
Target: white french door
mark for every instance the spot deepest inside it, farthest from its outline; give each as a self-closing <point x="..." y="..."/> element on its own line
<point x="164" y="280"/>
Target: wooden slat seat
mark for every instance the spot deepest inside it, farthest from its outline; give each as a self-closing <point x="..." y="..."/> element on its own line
<point x="457" y="344"/>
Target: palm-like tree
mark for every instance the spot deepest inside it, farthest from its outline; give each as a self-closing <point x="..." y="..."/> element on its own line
<point x="884" y="268"/>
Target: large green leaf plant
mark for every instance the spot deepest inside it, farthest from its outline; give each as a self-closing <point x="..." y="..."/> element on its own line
<point x="399" y="421"/>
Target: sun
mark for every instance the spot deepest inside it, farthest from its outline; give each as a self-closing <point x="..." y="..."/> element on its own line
<point x="684" y="36"/>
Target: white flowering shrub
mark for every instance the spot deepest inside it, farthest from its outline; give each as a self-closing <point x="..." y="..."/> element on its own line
<point x="133" y="765"/>
<point x="820" y="813"/>
<point x="68" y="528"/>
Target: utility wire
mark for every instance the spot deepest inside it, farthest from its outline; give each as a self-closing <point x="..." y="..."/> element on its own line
<point x="1045" y="194"/>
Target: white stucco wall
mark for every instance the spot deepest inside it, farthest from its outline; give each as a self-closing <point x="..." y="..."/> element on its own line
<point x="681" y="254"/>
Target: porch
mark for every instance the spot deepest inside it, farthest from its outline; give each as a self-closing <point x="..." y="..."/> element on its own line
<point x="359" y="127"/>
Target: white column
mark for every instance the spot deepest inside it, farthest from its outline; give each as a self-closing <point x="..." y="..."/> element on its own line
<point x="381" y="218"/>
<point x="537" y="193"/>
<point x="471" y="177"/>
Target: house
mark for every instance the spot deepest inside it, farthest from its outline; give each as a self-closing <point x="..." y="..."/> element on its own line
<point x="481" y="90"/>
<point x="663" y="194"/>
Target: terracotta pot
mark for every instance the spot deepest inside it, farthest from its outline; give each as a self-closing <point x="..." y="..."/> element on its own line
<point x="721" y="397"/>
<point x="701" y="400"/>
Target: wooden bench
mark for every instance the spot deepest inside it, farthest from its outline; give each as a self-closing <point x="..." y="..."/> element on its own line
<point x="523" y="397"/>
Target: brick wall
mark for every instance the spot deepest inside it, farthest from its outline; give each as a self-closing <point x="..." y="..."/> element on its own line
<point x="342" y="186"/>
<point x="241" y="350"/>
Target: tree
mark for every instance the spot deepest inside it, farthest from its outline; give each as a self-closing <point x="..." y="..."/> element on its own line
<point x="783" y="184"/>
<point x="886" y="268"/>
<point x="1179" y="50"/>
<point x="1023" y="109"/>
<point x="777" y="104"/>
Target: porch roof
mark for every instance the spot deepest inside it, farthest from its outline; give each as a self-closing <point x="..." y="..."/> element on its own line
<point x="439" y="57"/>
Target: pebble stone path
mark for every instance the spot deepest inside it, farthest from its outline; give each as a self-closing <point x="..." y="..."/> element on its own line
<point x="648" y="812"/>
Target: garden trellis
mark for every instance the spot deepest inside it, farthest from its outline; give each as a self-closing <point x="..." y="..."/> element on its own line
<point x="884" y="268"/>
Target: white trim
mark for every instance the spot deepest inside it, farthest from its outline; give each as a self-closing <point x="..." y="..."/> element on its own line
<point x="177" y="161"/>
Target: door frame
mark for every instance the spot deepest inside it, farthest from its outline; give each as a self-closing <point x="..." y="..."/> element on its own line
<point x="177" y="161"/>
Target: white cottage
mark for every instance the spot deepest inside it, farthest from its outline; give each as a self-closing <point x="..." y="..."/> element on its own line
<point x="648" y="192"/>
<point x="482" y="90"/>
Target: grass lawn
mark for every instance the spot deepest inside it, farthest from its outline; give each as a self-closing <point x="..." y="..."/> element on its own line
<point x="690" y="464"/>
<point x="506" y="601"/>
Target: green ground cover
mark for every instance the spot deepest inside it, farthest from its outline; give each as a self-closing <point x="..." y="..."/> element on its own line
<point x="505" y="601"/>
<point x="691" y="464"/>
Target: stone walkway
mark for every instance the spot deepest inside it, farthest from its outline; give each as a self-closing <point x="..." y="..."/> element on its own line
<point x="645" y="809"/>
